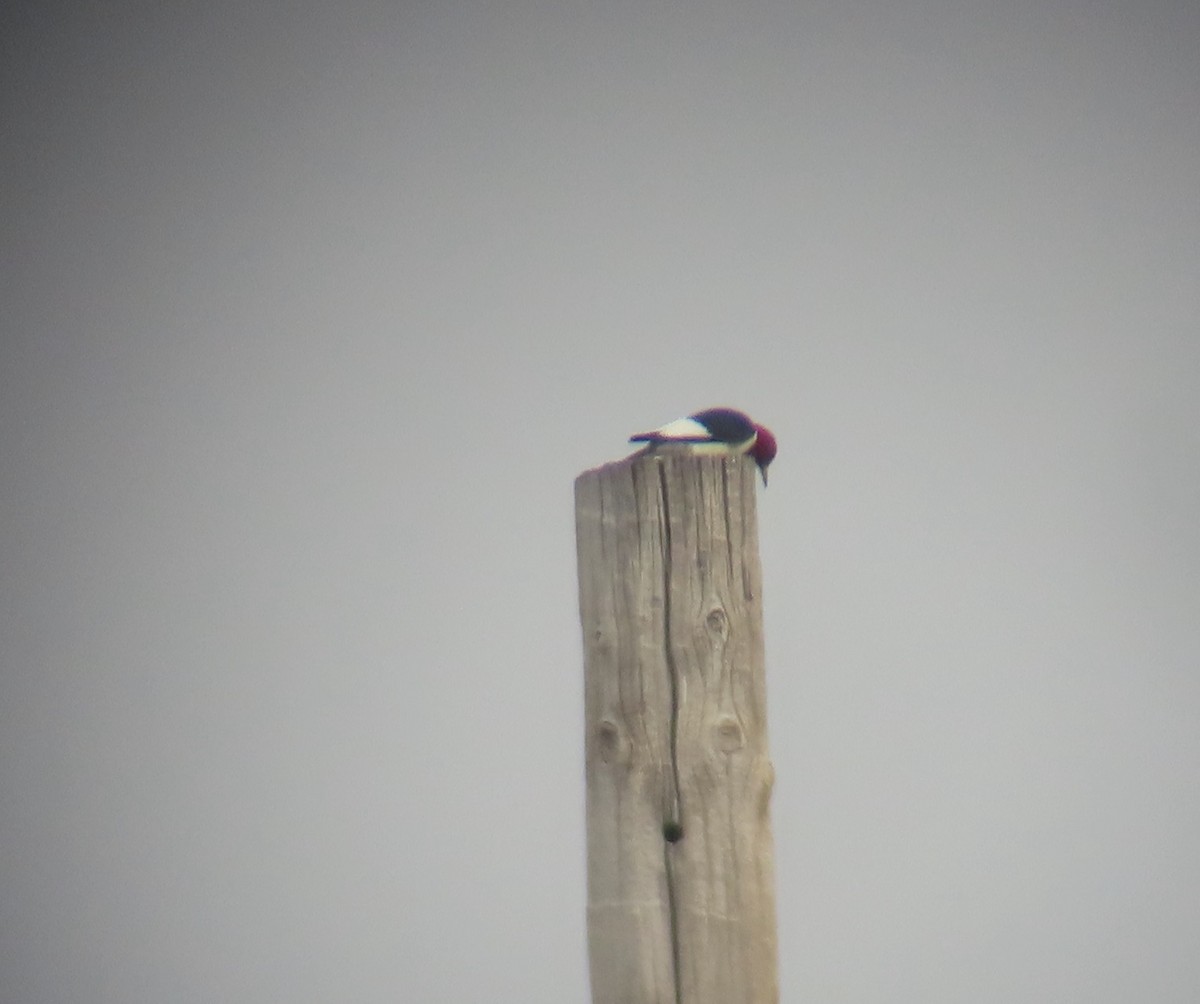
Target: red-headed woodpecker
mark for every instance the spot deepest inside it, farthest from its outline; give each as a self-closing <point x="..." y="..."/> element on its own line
<point x="716" y="431"/>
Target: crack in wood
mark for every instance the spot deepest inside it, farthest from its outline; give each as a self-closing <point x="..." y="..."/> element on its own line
<point x="674" y="798"/>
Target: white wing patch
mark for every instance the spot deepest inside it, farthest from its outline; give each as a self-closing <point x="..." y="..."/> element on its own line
<point x="687" y="429"/>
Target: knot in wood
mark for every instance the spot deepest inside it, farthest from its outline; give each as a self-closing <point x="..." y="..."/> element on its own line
<point x="730" y="736"/>
<point x="717" y="621"/>
<point x="608" y="739"/>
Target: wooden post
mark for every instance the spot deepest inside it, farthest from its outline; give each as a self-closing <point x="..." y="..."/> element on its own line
<point x="681" y="902"/>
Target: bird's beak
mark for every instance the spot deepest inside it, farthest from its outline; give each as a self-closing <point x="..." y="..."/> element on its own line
<point x="763" y="471"/>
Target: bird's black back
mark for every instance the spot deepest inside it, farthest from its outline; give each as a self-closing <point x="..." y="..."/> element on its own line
<point x="726" y="424"/>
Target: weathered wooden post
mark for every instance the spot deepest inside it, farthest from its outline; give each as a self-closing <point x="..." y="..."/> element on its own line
<point x="681" y="902"/>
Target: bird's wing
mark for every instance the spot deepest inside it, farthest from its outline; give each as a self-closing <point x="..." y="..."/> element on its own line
<point x="682" y="430"/>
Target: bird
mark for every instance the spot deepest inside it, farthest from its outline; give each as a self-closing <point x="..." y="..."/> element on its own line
<point x="716" y="431"/>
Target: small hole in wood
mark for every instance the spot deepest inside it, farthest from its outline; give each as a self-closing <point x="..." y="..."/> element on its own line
<point x="672" y="832"/>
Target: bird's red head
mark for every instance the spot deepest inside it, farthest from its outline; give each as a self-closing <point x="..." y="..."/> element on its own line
<point x="763" y="451"/>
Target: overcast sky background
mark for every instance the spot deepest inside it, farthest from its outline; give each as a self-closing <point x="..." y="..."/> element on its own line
<point x="313" y="312"/>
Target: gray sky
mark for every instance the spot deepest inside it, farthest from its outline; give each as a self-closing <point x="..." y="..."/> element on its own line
<point x="312" y="313"/>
